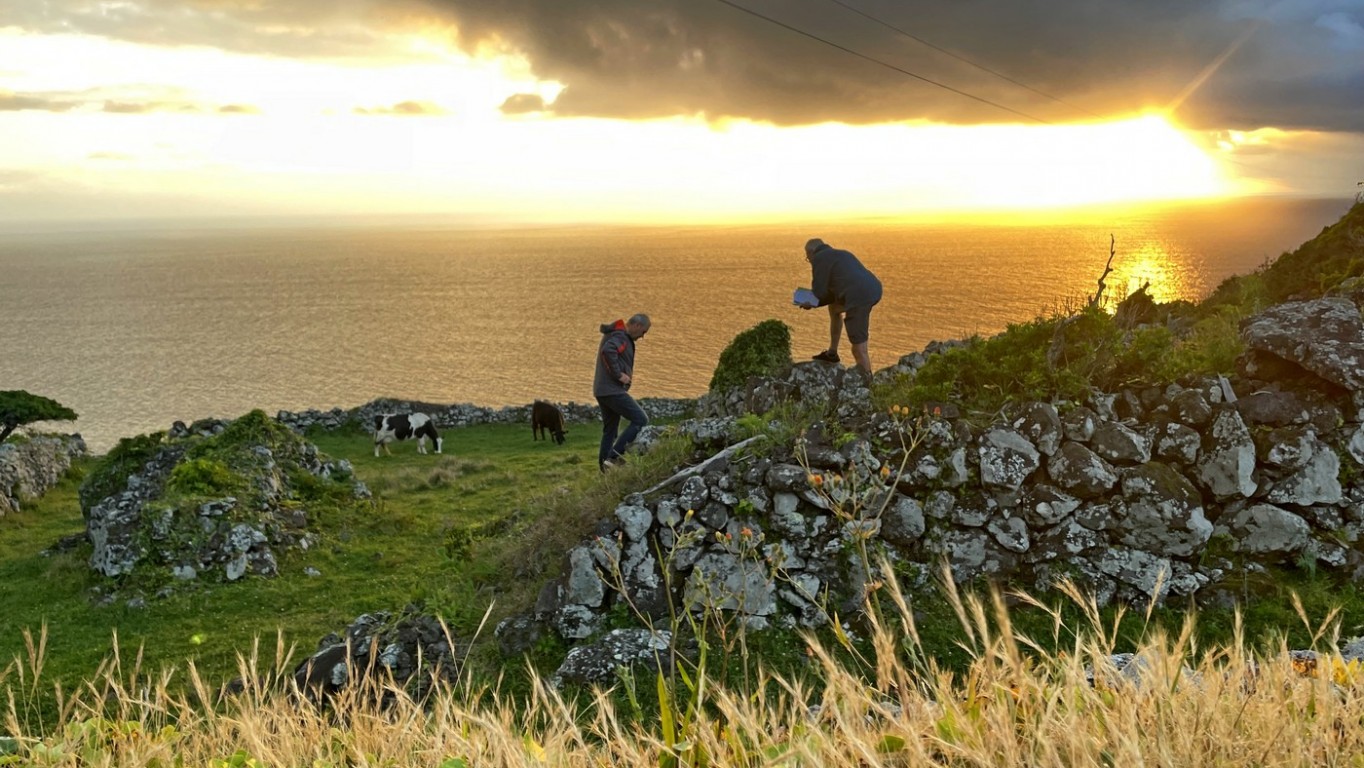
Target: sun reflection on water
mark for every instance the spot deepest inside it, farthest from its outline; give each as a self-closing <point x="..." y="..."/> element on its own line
<point x="1154" y="266"/>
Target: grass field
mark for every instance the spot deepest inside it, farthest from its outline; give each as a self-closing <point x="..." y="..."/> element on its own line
<point x="478" y="530"/>
<point x="451" y="530"/>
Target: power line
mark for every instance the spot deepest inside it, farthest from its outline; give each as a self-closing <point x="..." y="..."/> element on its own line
<point x="961" y="58"/>
<point x="874" y="60"/>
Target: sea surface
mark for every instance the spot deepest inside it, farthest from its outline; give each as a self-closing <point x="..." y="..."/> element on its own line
<point x="135" y="328"/>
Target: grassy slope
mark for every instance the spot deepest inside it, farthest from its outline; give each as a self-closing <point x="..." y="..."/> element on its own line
<point x="487" y="522"/>
<point x="445" y="530"/>
<point x="422" y="540"/>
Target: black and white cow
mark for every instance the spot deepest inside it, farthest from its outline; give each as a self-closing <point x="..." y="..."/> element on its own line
<point x="390" y="427"/>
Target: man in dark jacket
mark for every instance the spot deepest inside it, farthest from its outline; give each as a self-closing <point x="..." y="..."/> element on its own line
<point x="611" y="386"/>
<point x="849" y="290"/>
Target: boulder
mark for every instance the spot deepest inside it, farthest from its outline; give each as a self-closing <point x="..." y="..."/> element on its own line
<point x="1011" y="533"/>
<point x="1079" y="471"/>
<point x="1286" y="449"/>
<point x="1191" y="408"/>
<point x="1079" y="424"/>
<point x="1317" y="481"/>
<point x="1006" y="458"/>
<point x="1161" y="511"/>
<point x="1041" y="425"/>
<point x="1149" y="575"/>
<point x="970" y="554"/>
<point x="1228" y="461"/>
<point x="1177" y="443"/>
<point x="1263" y="529"/>
<point x="583" y="586"/>
<point x="598" y="662"/>
<point x="413" y="648"/>
<point x="1045" y="506"/>
<point x="1324" y="336"/>
<point x="1272" y="409"/>
<point x="903" y="522"/>
<point x="725" y="581"/>
<point x="1119" y="444"/>
<point x="1355" y="446"/>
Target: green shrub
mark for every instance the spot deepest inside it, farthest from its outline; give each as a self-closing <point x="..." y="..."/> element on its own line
<point x="203" y="477"/>
<point x="986" y="374"/>
<point x="763" y="350"/>
<point x="1056" y="358"/>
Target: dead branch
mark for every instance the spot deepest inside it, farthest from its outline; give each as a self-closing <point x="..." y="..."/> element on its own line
<point x="699" y="468"/>
<point x="1056" y="352"/>
<point x="1098" y="295"/>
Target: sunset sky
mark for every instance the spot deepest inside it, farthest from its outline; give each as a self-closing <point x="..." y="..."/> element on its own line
<point x="668" y="110"/>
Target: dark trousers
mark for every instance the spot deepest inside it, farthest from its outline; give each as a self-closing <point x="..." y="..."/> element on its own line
<point x="613" y="409"/>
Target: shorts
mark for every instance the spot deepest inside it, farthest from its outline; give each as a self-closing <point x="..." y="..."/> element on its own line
<point x="857" y="323"/>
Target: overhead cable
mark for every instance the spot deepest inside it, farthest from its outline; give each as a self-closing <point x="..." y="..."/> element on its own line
<point x="874" y="60"/>
<point x="961" y="58"/>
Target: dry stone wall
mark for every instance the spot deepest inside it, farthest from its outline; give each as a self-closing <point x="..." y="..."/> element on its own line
<point x="29" y="467"/>
<point x="1137" y="495"/>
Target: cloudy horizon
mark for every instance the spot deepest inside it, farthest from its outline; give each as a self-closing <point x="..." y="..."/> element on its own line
<point x="670" y="109"/>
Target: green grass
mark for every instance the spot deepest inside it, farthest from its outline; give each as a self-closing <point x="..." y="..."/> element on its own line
<point x="441" y="531"/>
<point x="490" y="521"/>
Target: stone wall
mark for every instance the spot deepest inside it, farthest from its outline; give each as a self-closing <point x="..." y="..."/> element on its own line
<point x="467" y="414"/>
<point x="29" y="467"/>
<point x="1137" y="495"/>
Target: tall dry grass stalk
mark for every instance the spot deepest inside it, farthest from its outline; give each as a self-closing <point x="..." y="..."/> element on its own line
<point x="1015" y="705"/>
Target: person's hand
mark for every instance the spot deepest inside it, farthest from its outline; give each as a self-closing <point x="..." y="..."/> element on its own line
<point x="625" y="378"/>
<point x="806" y="306"/>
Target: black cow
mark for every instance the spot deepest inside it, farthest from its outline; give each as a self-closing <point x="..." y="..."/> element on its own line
<point x="545" y="417"/>
<point x="390" y="427"/>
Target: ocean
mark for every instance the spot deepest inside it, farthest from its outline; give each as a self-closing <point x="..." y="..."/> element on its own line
<point x="135" y="328"/>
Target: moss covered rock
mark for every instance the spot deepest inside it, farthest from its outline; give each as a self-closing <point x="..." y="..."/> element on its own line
<point x="219" y="506"/>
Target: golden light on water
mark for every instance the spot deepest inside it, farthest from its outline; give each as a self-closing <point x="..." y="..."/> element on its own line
<point x="1153" y="266"/>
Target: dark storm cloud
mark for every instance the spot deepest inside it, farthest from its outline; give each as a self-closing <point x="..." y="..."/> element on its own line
<point x="1297" y="64"/>
<point x="403" y="108"/>
<point x="521" y="103"/>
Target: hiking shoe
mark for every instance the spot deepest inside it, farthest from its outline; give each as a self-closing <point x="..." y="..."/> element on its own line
<point x="827" y="357"/>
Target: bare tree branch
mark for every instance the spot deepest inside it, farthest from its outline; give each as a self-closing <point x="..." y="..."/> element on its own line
<point x="1098" y="295"/>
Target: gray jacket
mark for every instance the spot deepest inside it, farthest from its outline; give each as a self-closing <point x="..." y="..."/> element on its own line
<point x="839" y="278"/>
<point x="615" y="356"/>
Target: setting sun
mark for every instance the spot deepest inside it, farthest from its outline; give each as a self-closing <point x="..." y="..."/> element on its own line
<point x="215" y="131"/>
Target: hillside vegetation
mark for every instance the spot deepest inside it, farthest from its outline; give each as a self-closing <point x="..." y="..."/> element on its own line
<point x="99" y="676"/>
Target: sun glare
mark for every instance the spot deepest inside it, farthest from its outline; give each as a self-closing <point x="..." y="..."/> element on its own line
<point x="429" y="136"/>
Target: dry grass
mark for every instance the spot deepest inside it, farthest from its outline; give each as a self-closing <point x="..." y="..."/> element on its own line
<point x="1176" y="705"/>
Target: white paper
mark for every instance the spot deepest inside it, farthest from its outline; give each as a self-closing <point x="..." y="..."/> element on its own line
<point x="804" y="297"/>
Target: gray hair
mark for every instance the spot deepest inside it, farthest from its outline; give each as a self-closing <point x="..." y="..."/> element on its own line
<point x="640" y="319"/>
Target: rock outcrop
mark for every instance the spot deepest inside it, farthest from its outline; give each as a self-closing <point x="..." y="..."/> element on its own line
<point x="222" y="500"/>
<point x="412" y="650"/>
<point x="1139" y="496"/>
